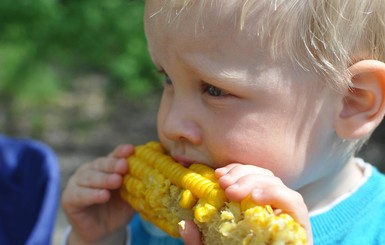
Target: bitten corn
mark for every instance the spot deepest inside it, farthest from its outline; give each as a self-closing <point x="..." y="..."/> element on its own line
<point x="165" y="193"/>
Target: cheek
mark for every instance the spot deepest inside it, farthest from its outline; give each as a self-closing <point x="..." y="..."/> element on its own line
<point x="162" y="111"/>
<point x="261" y="145"/>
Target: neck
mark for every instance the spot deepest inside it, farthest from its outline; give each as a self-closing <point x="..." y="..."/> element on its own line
<point x="326" y="190"/>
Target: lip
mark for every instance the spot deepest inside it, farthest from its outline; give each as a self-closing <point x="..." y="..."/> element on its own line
<point x="186" y="162"/>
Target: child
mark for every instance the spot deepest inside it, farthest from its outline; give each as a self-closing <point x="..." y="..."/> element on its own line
<point x="277" y="96"/>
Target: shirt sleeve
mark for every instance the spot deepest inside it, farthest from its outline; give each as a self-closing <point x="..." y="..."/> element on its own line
<point x="143" y="232"/>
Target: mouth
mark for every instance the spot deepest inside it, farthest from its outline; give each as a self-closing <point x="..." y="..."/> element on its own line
<point x="185" y="162"/>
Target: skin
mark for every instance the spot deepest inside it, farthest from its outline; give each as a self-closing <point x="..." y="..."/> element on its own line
<point x="90" y="200"/>
<point x="271" y="130"/>
<point x="276" y="119"/>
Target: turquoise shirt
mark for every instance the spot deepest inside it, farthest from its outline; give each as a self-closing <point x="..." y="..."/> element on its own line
<point x="144" y="233"/>
<point x="357" y="220"/>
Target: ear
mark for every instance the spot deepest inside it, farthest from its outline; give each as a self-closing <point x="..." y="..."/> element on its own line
<point x="363" y="105"/>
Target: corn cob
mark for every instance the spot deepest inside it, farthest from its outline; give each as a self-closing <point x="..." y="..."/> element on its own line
<point x="164" y="193"/>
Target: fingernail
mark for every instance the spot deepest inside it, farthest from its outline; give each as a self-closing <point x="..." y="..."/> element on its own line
<point x="182" y="225"/>
<point x="220" y="171"/>
<point x="124" y="149"/>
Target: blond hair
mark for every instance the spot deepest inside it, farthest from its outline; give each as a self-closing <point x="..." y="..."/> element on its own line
<point x="326" y="36"/>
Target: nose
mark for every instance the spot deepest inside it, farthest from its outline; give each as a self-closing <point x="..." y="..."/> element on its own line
<point x="178" y="121"/>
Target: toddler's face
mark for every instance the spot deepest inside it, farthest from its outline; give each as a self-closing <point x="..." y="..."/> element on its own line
<point x="225" y="100"/>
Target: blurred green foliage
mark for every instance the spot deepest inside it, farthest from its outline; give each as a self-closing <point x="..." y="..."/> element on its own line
<point x="44" y="44"/>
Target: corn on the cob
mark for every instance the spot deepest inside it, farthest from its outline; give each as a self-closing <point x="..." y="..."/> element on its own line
<point x="164" y="192"/>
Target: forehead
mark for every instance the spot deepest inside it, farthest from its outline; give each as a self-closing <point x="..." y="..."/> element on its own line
<point x="253" y="16"/>
<point x="210" y="42"/>
<point x="195" y="20"/>
<point x="208" y="25"/>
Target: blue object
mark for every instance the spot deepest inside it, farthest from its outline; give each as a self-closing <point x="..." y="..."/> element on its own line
<point x="29" y="191"/>
<point x="358" y="219"/>
<point x="144" y="233"/>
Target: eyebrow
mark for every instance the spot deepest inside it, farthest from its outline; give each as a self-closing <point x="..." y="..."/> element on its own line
<point x="195" y="63"/>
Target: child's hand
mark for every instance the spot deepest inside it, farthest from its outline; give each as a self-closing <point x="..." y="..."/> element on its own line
<point x="264" y="188"/>
<point x="92" y="202"/>
<point x="190" y="233"/>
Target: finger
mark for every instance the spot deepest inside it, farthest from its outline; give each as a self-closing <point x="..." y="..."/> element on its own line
<point x="231" y="173"/>
<point x="230" y="167"/>
<point x="287" y="200"/>
<point x="109" y="165"/>
<point x="190" y="233"/>
<point x="122" y="151"/>
<point x="219" y="172"/>
<point x="245" y="185"/>
<point x="97" y="179"/>
<point x="80" y="197"/>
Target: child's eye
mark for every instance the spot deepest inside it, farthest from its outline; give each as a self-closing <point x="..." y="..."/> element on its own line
<point x="214" y="91"/>
<point x="167" y="80"/>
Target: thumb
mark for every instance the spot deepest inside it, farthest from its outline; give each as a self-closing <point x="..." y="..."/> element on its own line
<point x="190" y="233"/>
